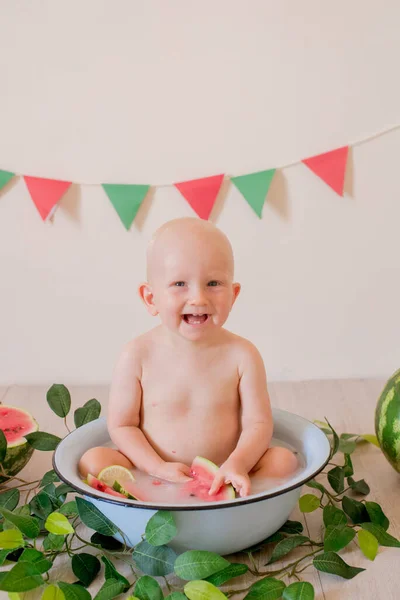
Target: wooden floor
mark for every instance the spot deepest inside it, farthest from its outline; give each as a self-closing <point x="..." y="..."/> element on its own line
<point x="349" y="405"/>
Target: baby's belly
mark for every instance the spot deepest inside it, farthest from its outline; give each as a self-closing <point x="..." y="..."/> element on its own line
<point x="182" y="439"/>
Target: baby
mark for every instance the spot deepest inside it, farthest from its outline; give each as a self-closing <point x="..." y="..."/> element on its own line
<point x="189" y="387"/>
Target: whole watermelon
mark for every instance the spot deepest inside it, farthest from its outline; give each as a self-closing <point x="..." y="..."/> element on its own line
<point x="387" y="421"/>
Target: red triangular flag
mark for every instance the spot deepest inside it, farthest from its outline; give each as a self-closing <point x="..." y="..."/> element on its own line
<point x="330" y="167"/>
<point x="45" y="193"/>
<point x="201" y="193"/>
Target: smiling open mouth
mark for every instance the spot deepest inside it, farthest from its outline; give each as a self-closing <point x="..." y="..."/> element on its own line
<point x="195" y="319"/>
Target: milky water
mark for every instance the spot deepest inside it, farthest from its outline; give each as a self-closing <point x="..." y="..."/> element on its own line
<point x="153" y="490"/>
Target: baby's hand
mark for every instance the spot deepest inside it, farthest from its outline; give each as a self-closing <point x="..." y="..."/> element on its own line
<point x="175" y="472"/>
<point x="232" y="473"/>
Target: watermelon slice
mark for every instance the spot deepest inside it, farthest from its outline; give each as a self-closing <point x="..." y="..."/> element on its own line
<point x="102" y="487"/>
<point x="15" y="424"/>
<point x="203" y="472"/>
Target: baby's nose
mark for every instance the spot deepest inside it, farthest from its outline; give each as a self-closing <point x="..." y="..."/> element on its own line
<point x="198" y="297"/>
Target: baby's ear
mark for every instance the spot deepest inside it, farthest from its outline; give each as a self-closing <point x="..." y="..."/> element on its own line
<point x="236" y="287"/>
<point x="146" y="294"/>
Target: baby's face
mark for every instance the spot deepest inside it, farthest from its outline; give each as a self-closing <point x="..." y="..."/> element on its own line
<point x="192" y="286"/>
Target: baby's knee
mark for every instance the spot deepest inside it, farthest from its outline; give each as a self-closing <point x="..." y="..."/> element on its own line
<point x="282" y="461"/>
<point x="98" y="458"/>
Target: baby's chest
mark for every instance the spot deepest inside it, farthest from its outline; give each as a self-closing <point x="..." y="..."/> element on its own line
<point x="181" y="388"/>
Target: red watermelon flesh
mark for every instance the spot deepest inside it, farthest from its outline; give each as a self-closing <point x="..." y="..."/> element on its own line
<point x="203" y="472"/>
<point x="16" y="423"/>
<point x="102" y="487"/>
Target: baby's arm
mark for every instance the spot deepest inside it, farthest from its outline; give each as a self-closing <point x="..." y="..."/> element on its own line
<point x="256" y="423"/>
<point x="124" y="419"/>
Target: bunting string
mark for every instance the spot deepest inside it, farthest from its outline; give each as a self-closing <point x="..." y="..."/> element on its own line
<point x="201" y="193"/>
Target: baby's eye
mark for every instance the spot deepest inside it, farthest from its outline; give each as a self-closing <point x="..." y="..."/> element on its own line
<point x="179" y="283"/>
<point x="213" y="283"/>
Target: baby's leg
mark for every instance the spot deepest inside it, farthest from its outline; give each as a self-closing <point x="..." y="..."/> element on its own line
<point x="276" y="462"/>
<point x="98" y="458"/>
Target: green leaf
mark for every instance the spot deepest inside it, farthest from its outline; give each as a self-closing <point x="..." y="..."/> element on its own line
<point x="90" y="411"/>
<point x="110" y="589"/>
<point x="34" y="556"/>
<point x="11" y="538"/>
<point x="154" y="560"/>
<point x="368" y="543"/>
<point x="348" y="470"/>
<point x="49" y="477"/>
<point x="3" y="446"/>
<point x="41" y="505"/>
<point x="291" y="527"/>
<point x="86" y="567"/>
<point x="317" y="486"/>
<point x="69" y="509"/>
<point x="161" y="528"/>
<point x="22" y="577"/>
<point x="50" y="490"/>
<point x="308" y="503"/>
<point x="73" y="592"/>
<point x="106" y="542"/>
<point x="335" y="444"/>
<point x="3" y="555"/>
<point x="172" y="596"/>
<point x="58" y="524"/>
<point x="28" y="525"/>
<point x="337" y="537"/>
<point x="323" y="427"/>
<point x="203" y="590"/>
<point x="93" y="518"/>
<point x="59" y="400"/>
<point x="383" y="537"/>
<point x="301" y="590"/>
<point x="9" y="499"/>
<point x="333" y="516"/>
<point x="23" y="510"/>
<point x="361" y="486"/>
<point x="348" y="436"/>
<point x="372" y="439"/>
<point x="198" y="564"/>
<point x="330" y="562"/>
<point x="272" y="539"/>
<point x="286" y="546"/>
<point x="64" y="489"/>
<point x="112" y="573"/>
<point x="355" y="510"/>
<point x="347" y="446"/>
<point x="336" y="479"/>
<point x="53" y="542"/>
<point x="268" y="588"/>
<point x="41" y="440"/>
<point x="147" y="588"/>
<point x="234" y="570"/>
<point x="52" y="592"/>
<point x="377" y="515"/>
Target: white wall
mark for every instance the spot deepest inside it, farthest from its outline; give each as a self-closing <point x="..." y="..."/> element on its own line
<point x="155" y="92"/>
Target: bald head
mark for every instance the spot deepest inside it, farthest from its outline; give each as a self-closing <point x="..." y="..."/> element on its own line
<point x="187" y="236"/>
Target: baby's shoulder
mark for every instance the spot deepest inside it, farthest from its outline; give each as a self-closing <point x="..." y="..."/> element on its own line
<point x="244" y="350"/>
<point x="136" y="350"/>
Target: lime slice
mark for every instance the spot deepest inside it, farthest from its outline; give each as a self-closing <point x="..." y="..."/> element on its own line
<point x="115" y="473"/>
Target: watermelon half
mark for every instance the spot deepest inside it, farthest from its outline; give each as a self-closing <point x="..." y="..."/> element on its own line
<point x="15" y="424"/>
<point x="203" y="472"/>
<point x="387" y="421"/>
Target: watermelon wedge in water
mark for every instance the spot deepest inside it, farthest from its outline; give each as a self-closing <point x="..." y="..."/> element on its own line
<point x="203" y="472"/>
<point x="387" y="421"/>
<point x="15" y="424"/>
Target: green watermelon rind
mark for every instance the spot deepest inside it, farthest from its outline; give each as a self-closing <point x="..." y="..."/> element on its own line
<point x="387" y="421"/>
<point x="212" y="469"/>
<point x="19" y="452"/>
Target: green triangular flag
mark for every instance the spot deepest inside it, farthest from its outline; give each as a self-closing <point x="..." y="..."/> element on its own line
<point x="254" y="187"/>
<point x="126" y="200"/>
<point x="5" y="177"/>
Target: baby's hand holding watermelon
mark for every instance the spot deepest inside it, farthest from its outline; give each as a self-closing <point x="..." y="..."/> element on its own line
<point x="173" y="471"/>
<point x="231" y="472"/>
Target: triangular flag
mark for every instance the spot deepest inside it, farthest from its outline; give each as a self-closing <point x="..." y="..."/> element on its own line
<point x="330" y="167"/>
<point x="201" y="193"/>
<point x="5" y="177"/>
<point x="126" y="200"/>
<point x="254" y="187"/>
<point x="45" y="193"/>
